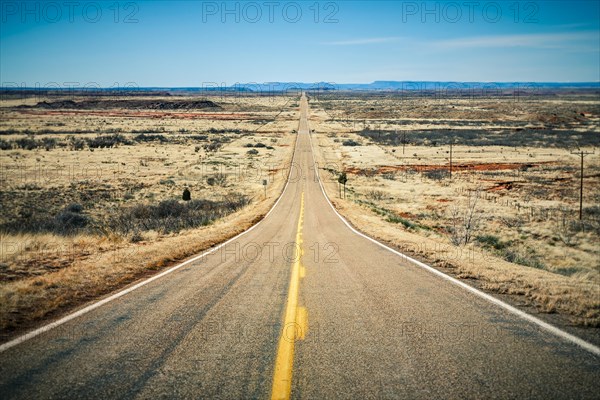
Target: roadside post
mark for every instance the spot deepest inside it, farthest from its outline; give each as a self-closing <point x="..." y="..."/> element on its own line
<point x="265" y="186"/>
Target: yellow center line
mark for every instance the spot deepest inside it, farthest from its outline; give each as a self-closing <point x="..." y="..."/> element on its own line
<point x="295" y="323"/>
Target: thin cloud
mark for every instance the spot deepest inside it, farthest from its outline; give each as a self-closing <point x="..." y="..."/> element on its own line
<point x="354" y="42"/>
<point x="538" y="40"/>
<point x="573" y="26"/>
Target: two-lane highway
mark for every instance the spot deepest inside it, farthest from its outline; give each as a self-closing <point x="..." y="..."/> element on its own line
<point x="300" y="306"/>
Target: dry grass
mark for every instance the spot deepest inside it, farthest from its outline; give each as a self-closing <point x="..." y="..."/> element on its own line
<point x="43" y="274"/>
<point x="98" y="265"/>
<point x="524" y="235"/>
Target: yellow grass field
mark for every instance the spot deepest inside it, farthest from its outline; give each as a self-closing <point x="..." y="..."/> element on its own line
<point x="221" y="155"/>
<point x="507" y="219"/>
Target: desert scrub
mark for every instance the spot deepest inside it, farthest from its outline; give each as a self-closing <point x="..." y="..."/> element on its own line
<point x="376" y="195"/>
<point x="512" y="137"/>
<point x="522" y="256"/>
<point x="396" y="219"/>
<point x="167" y="216"/>
<point x="69" y="221"/>
<point x="75" y="143"/>
<point x="218" y="179"/>
<point x="510" y="252"/>
<point x="171" y="216"/>
<point x="108" y="141"/>
<point x="391" y="216"/>
<point x="490" y="241"/>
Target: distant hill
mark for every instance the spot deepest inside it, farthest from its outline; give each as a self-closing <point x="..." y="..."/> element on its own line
<point x="414" y="85"/>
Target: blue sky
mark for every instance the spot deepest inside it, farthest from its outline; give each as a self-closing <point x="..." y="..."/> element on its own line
<point x="194" y="43"/>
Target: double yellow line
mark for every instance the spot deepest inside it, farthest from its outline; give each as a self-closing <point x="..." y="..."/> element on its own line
<point x="295" y="323"/>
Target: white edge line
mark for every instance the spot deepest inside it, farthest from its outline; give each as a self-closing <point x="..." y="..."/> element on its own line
<point x="544" y="325"/>
<point x="93" y="306"/>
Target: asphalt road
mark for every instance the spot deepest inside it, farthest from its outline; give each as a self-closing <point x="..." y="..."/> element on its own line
<point x="229" y="326"/>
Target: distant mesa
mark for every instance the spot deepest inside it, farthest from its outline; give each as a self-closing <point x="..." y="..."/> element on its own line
<point x="137" y="104"/>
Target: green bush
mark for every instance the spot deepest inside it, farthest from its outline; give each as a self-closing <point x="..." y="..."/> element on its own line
<point x="5" y="145"/>
<point x="27" y="143"/>
<point x="437" y="174"/>
<point x="107" y="141"/>
<point x="69" y="222"/>
<point x="491" y="241"/>
<point x="399" y="220"/>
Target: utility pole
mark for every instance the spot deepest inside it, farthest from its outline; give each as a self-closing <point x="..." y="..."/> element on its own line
<point x="582" y="154"/>
<point x="403" y="141"/>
